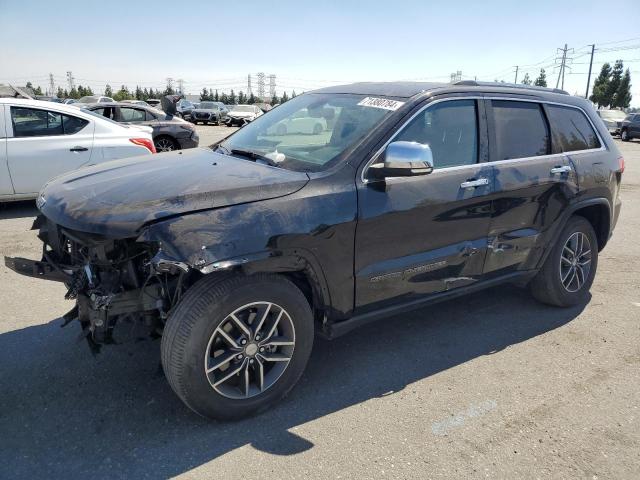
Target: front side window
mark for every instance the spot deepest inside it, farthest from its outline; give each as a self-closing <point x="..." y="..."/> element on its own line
<point x="520" y="130"/>
<point x="31" y="122"/>
<point x="571" y="130"/>
<point x="451" y="130"/>
<point x="310" y="132"/>
<point x="132" y="114"/>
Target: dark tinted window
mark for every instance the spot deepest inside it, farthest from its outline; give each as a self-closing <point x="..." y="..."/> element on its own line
<point x="571" y="130"/>
<point x="73" y="125"/>
<point x="31" y="122"/>
<point x="520" y="130"/>
<point x="150" y="116"/>
<point x="450" y="129"/>
<point x="107" y="112"/>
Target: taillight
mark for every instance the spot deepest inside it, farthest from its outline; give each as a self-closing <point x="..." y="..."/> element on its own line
<point x="144" y="142"/>
<point x="621" y="164"/>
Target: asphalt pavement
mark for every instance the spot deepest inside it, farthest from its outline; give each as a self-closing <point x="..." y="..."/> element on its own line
<point x="492" y="385"/>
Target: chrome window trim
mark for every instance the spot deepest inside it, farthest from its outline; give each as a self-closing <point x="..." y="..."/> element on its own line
<point x="497" y="162"/>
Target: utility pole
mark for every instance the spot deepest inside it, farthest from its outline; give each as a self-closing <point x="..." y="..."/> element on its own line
<point x="52" y="86"/>
<point x="70" y="80"/>
<point x="593" y="49"/>
<point x="169" y="83"/>
<point x="516" y="79"/>
<point x="563" y="64"/>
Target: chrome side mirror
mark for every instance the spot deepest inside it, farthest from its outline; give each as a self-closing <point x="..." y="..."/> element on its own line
<point x="403" y="159"/>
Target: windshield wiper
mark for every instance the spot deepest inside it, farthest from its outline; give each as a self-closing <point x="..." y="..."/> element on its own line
<point x="252" y="155"/>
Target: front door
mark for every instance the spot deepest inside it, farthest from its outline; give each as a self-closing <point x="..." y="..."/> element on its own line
<point x="417" y="236"/>
<point x="43" y="144"/>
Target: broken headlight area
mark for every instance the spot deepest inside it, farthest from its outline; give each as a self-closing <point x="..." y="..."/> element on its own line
<point x="115" y="282"/>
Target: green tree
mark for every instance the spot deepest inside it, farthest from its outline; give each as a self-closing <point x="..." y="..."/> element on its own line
<point x="108" y="92"/>
<point x="241" y="97"/>
<point x="73" y="93"/>
<point x="614" y="83"/>
<point x="139" y="93"/>
<point x="122" y="94"/>
<point x="274" y="100"/>
<point x="623" y="95"/>
<point x="541" y="81"/>
<point x="204" y="95"/>
<point x="145" y="94"/>
<point x="224" y="98"/>
<point x="252" y="99"/>
<point x="60" y="93"/>
<point x="599" y="93"/>
<point x="293" y="94"/>
<point x="65" y="94"/>
<point x="38" y="90"/>
<point x="216" y="97"/>
<point x="284" y="97"/>
<point x="526" y="80"/>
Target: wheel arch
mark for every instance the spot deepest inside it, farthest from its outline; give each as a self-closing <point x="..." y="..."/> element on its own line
<point x="598" y="214"/>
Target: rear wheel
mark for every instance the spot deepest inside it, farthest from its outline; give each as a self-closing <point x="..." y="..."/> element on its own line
<point x="164" y="143"/>
<point x="568" y="272"/>
<point x="236" y="345"/>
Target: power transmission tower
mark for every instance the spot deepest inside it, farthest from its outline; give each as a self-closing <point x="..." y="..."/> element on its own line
<point x="52" y="85"/>
<point x="169" y="83"/>
<point x="563" y="63"/>
<point x="260" y="85"/>
<point x="516" y="79"/>
<point x="593" y="49"/>
<point x="272" y="85"/>
<point x="249" y="91"/>
<point x="181" y="86"/>
<point x="71" y="80"/>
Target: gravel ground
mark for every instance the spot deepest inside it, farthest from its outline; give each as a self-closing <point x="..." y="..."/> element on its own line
<point x="495" y="385"/>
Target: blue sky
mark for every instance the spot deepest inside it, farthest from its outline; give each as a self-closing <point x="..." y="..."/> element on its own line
<point x="309" y="44"/>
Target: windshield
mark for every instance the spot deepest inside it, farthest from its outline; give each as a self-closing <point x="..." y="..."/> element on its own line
<point x="89" y="100"/>
<point x="309" y="132"/>
<point x="612" y="114"/>
<point x="207" y="105"/>
<point x="242" y="108"/>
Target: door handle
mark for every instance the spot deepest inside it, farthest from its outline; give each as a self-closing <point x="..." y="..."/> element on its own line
<point x="78" y="149"/>
<point x="475" y="183"/>
<point x="563" y="169"/>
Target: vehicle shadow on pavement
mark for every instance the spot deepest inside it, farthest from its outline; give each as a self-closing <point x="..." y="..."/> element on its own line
<point x="18" y="210"/>
<point x="67" y="414"/>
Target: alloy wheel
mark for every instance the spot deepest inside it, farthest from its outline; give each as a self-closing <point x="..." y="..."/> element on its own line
<point x="575" y="262"/>
<point x="165" y="145"/>
<point x="250" y="349"/>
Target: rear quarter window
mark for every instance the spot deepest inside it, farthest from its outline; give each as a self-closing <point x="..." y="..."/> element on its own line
<point x="571" y="130"/>
<point x="520" y="130"/>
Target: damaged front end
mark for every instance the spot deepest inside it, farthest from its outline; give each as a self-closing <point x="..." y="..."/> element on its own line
<point x="114" y="281"/>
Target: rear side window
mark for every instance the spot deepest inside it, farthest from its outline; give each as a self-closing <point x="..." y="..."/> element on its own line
<point x="32" y="122"/>
<point x="132" y="114"/>
<point x="520" y="130"/>
<point x="571" y="130"/>
<point x="450" y="129"/>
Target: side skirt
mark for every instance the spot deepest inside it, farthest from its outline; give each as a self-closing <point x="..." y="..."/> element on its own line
<point x="340" y="328"/>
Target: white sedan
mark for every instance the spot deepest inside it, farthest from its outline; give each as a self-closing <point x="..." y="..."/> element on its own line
<point x="299" y="122"/>
<point x="41" y="140"/>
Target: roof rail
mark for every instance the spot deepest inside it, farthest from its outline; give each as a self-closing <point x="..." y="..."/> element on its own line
<point x="475" y="83"/>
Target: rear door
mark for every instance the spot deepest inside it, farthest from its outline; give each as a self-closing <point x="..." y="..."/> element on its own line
<point x="418" y="236"/>
<point x="6" y="187"/>
<point x="533" y="184"/>
<point x="44" y="143"/>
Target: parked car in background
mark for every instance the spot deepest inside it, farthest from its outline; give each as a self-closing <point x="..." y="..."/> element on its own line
<point x="95" y="99"/>
<point x="241" y="114"/>
<point x="154" y="102"/>
<point x="136" y="102"/>
<point x="69" y="101"/>
<point x="300" y="122"/>
<point x="41" y="140"/>
<point x="208" y="112"/>
<point x="46" y="98"/>
<point x="184" y="108"/>
<point x="630" y="127"/>
<point x="612" y="119"/>
<point x="169" y="132"/>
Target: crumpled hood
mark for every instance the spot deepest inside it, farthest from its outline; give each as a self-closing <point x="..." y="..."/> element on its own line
<point x="117" y="198"/>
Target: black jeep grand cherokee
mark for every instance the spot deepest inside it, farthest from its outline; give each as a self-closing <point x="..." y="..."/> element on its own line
<point x="411" y="193"/>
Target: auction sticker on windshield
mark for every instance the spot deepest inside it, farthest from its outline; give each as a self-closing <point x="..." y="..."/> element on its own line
<point x="384" y="103"/>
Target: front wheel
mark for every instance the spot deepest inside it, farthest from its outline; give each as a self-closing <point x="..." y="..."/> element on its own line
<point x="624" y="135"/>
<point x="236" y="345"/>
<point x="569" y="270"/>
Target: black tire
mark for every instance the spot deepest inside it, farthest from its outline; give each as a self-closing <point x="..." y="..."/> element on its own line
<point x="547" y="286"/>
<point x="165" y="143"/>
<point x="192" y="324"/>
<point x="624" y="135"/>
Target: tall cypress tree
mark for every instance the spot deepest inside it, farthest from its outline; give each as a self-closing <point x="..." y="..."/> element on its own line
<point x="541" y="81"/>
<point x="599" y="94"/>
<point x="614" y="83"/>
<point x="623" y="95"/>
